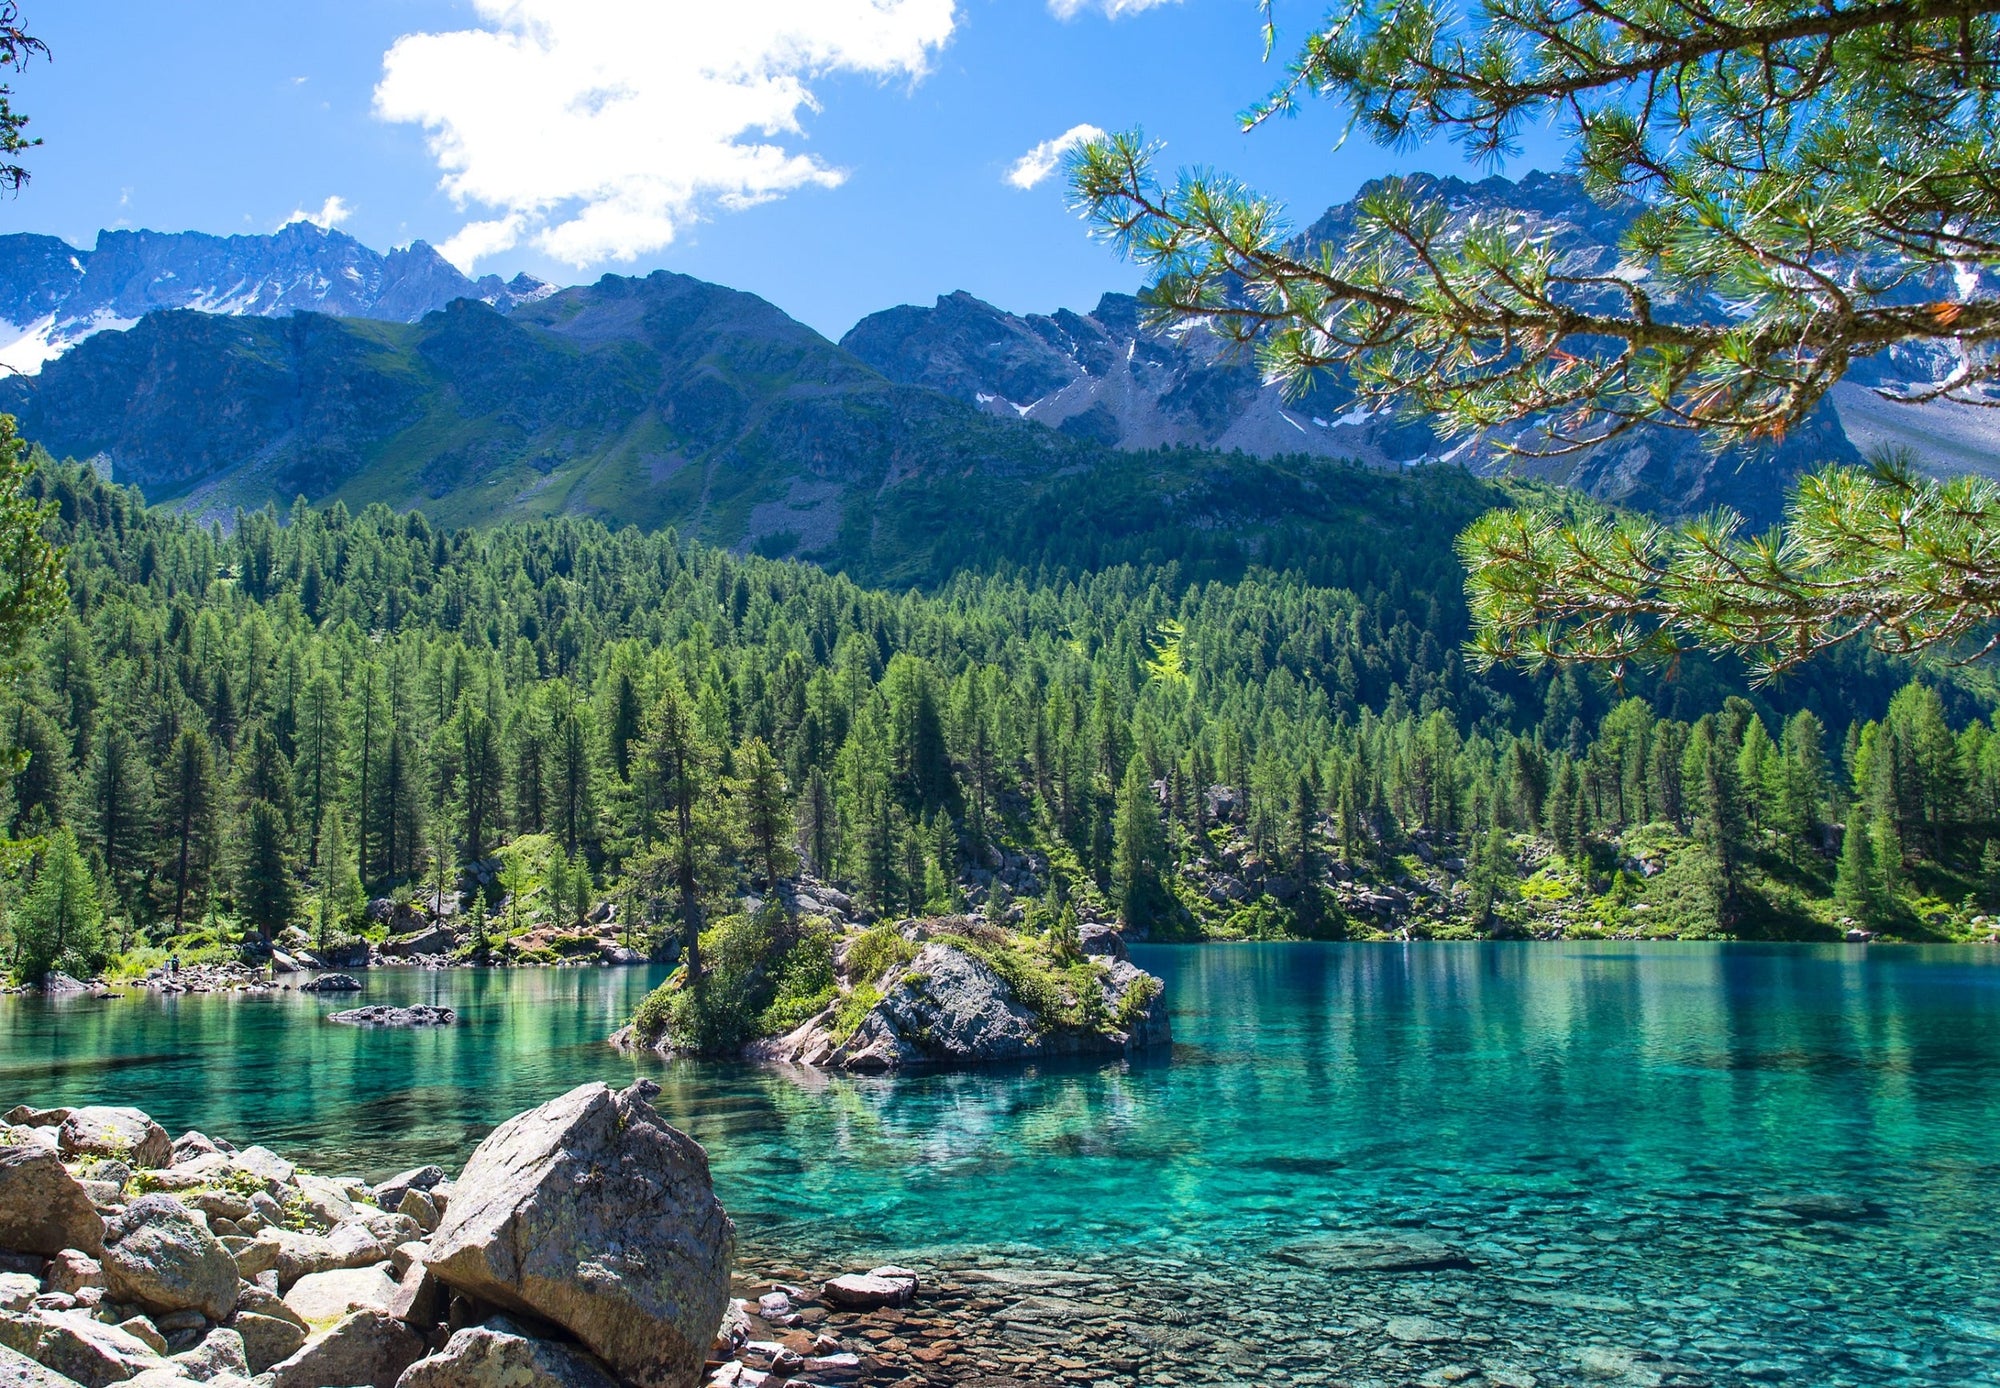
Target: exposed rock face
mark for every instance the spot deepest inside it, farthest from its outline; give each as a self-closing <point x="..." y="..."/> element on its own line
<point x="380" y="1016"/>
<point x="592" y="1212"/>
<point x="122" y="1133"/>
<point x="498" y="1355"/>
<point x="53" y="295"/>
<point x="43" y="1209"/>
<point x="332" y="983"/>
<point x="159" y="1255"/>
<point x="436" y="940"/>
<point x="951" y="1007"/>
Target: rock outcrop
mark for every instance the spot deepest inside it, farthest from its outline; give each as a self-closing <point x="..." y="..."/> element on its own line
<point x="954" y="1003"/>
<point x="158" y="1255"/>
<point x="592" y="1212"/>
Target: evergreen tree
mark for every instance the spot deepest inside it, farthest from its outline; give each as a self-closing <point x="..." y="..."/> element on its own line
<point x="121" y="812"/>
<point x="763" y="809"/>
<point x="188" y="803"/>
<point x="1856" y="893"/>
<point x="60" y="925"/>
<point x="1140" y="852"/>
<point x="264" y="890"/>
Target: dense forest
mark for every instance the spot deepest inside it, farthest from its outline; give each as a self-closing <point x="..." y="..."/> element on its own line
<point x="239" y="730"/>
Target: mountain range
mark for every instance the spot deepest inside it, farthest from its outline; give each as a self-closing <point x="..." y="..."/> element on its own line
<point x="54" y="295"/>
<point x="220" y="372"/>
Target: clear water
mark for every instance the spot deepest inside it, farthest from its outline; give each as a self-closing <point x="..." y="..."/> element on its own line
<point x="1726" y="1163"/>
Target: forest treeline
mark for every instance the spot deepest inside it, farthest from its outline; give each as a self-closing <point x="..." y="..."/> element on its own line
<point x="250" y="727"/>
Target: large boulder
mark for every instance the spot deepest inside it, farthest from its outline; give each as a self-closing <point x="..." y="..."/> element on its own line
<point x="326" y="1297"/>
<point x="498" y="1355"/>
<point x="159" y="1255"/>
<point x="124" y="1133"/>
<point x="437" y="939"/>
<point x="368" y="1348"/>
<point x="592" y="1212"/>
<point x="43" y="1209"/>
<point x="332" y="983"/>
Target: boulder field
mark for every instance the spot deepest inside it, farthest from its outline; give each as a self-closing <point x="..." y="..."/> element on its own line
<point x="581" y="1245"/>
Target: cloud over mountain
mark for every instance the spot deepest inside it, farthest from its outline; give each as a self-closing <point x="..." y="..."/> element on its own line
<point x="596" y="129"/>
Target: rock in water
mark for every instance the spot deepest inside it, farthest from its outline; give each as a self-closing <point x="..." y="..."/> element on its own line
<point x="498" y="1355"/>
<point x="159" y="1255"/>
<point x="592" y="1212"/>
<point x="332" y="983"/>
<point x="377" y="1015"/>
<point x="126" y="1134"/>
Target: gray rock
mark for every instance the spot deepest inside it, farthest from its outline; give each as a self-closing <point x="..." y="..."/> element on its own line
<point x="160" y="1256"/>
<point x="221" y="1352"/>
<point x="88" y="1351"/>
<point x="142" y="1328"/>
<point x="377" y="1015"/>
<point x="323" y="1298"/>
<point x="19" y="1371"/>
<point x="43" y="1209"/>
<point x="498" y="1355"/>
<point x="435" y="940"/>
<point x="24" y="1116"/>
<point x="18" y="1291"/>
<point x="126" y="1134"/>
<point x="192" y="1144"/>
<point x="367" y="1348"/>
<point x="351" y="1245"/>
<point x="865" y="1291"/>
<point x="332" y="983"/>
<point x="267" y="1340"/>
<point x="72" y="1270"/>
<point x="592" y="1212"/>
<point x="1102" y="941"/>
<point x="389" y="1194"/>
<point x="417" y="1205"/>
<point x="265" y="1165"/>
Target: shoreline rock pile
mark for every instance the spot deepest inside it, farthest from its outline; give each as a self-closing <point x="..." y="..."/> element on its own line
<point x="581" y="1245"/>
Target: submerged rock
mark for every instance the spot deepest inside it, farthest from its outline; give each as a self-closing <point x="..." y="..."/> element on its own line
<point x="1348" y="1253"/>
<point x="594" y="1213"/>
<point x="377" y="1015"/>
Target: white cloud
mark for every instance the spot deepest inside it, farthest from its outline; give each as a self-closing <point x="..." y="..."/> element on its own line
<point x="331" y="213"/>
<point x="597" y="128"/>
<point x="1110" y="9"/>
<point x="1039" y="162"/>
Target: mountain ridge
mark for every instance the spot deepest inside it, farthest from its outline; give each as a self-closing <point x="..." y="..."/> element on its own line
<point x="54" y="295"/>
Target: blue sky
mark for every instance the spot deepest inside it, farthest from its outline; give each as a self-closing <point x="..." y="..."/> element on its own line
<point x="854" y="155"/>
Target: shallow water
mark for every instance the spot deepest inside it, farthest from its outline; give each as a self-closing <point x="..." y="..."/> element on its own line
<point x="1669" y="1163"/>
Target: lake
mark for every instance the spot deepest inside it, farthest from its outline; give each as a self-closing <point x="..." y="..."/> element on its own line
<point x="1652" y="1164"/>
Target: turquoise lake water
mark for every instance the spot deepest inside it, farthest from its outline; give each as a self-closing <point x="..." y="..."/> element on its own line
<point x="1761" y="1164"/>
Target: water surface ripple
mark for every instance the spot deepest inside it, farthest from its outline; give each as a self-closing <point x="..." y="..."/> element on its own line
<point x="1662" y="1163"/>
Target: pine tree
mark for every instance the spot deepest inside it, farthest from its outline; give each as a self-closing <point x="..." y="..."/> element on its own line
<point x="188" y="803"/>
<point x="264" y="890"/>
<point x="1856" y="893"/>
<point x="60" y="925"/>
<point x="1140" y="852"/>
<point x="762" y="809"/>
<point x="678" y="767"/>
<point x="122" y="808"/>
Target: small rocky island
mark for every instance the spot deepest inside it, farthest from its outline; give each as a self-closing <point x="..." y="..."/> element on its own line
<point x="940" y="991"/>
